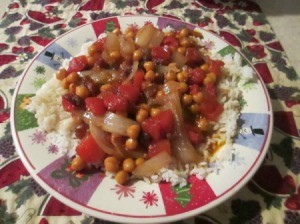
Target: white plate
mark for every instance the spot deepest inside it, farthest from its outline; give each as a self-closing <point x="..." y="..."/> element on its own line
<point x="100" y="196"/>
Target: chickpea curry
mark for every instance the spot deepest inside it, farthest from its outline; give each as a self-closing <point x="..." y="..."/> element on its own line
<point x="141" y="99"/>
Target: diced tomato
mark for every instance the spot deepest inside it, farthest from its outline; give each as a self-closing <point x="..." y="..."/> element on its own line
<point x="170" y="41"/>
<point x="78" y="64"/>
<point x="67" y="105"/>
<point x="138" y="78"/>
<point x="194" y="135"/>
<point x="160" y="54"/>
<point x="114" y="102"/>
<point x="211" y="108"/>
<point x="215" y="66"/>
<point x="196" y="76"/>
<point x="193" y="56"/>
<point x="130" y="92"/>
<point x="158" y="147"/>
<point x="95" y="105"/>
<point x="194" y="89"/>
<point x="89" y="150"/>
<point x="159" y="126"/>
<point x="71" y="102"/>
<point x="210" y="89"/>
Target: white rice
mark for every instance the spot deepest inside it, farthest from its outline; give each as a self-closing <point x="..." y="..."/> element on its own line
<point x="59" y="124"/>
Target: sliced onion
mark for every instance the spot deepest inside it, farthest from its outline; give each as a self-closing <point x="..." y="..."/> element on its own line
<point x="172" y="87"/>
<point x="133" y="70"/>
<point x="99" y="136"/>
<point x="144" y="36"/>
<point x="157" y="38"/>
<point x="126" y="46"/>
<point x="180" y="144"/>
<point x="179" y="59"/>
<point x="162" y="69"/>
<point x="119" y="144"/>
<point x="117" y="124"/>
<point x="102" y="76"/>
<point x="112" y="42"/>
<point x="153" y="165"/>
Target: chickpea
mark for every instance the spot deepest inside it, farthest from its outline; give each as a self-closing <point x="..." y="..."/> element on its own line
<point x="128" y="165"/>
<point x="61" y="74"/>
<point x="181" y="50"/>
<point x="139" y="161"/>
<point x="204" y="67"/>
<point x="148" y="65"/>
<point x="78" y="164"/>
<point x="117" y="31"/>
<point x="160" y="94"/>
<point x="73" y="77"/>
<point x="65" y="83"/>
<point x="187" y="99"/>
<point x="184" y="42"/>
<point x="154" y="112"/>
<point x="105" y="87"/>
<point x="141" y="115"/>
<point x="133" y="131"/>
<point x="150" y="76"/>
<point x="171" y="76"/>
<point x="122" y="177"/>
<point x="91" y="60"/>
<point x="183" y="87"/>
<point x="203" y="124"/>
<point x="92" y="49"/>
<point x="137" y="55"/>
<point x="115" y="54"/>
<point x="72" y="88"/>
<point x="198" y="97"/>
<point x="82" y="91"/>
<point x="196" y="33"/>
<point x="170" y="34"/>
<point x="184" y="32"/>
<point x="208" y="80"/>
<point x="144" y="106"/>
<point x="111" y="164"/>
<point x="195" y="108"/>
<point x="131" y="144"/>
<point x="129" y="35"/>
<point x="182" y="76"/>
<point x="212" y="76"/>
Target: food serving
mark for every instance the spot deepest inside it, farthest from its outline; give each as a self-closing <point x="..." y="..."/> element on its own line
<point x="145" y="104"/>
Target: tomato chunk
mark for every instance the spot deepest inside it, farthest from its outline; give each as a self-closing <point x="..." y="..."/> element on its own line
<point x="78" y="64"/>
<point x="89" y="151"/>
<point x="158" y="147"/>
<point x="170" y="41"/>
<point x="159" y="126"/>
<point x="160" y="54"/>
<point x="99" y="44"/>
<point x="95" y="105"/>
<point x="138" y="78"/>
<point x="196" y="76"/>
<point x="211" y="108"/>
<point x="193" y="56"/>
<point x="194" y="135"/>
<point x="215" y="66"/>
<point x="130" y="92"/>
<point x="114" y="102"/>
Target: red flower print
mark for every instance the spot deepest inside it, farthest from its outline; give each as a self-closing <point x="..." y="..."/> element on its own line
<point x="124" y="191"/>
<point x="149" y="198"/>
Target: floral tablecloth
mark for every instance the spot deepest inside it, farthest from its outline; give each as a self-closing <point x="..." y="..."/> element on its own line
<point x="273" y="194"/>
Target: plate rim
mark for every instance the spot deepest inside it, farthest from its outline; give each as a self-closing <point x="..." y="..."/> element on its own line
<point x="237" y="186"/>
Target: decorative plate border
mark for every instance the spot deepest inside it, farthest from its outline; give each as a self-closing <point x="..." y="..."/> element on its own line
<point x="152" y="203"/>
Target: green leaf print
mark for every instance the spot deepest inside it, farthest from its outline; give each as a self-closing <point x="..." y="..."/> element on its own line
<point x="24" y="118"/>
<point x="5" y="217"/>
<point x="183" y="196"/>
<point x="227" y="50"/>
